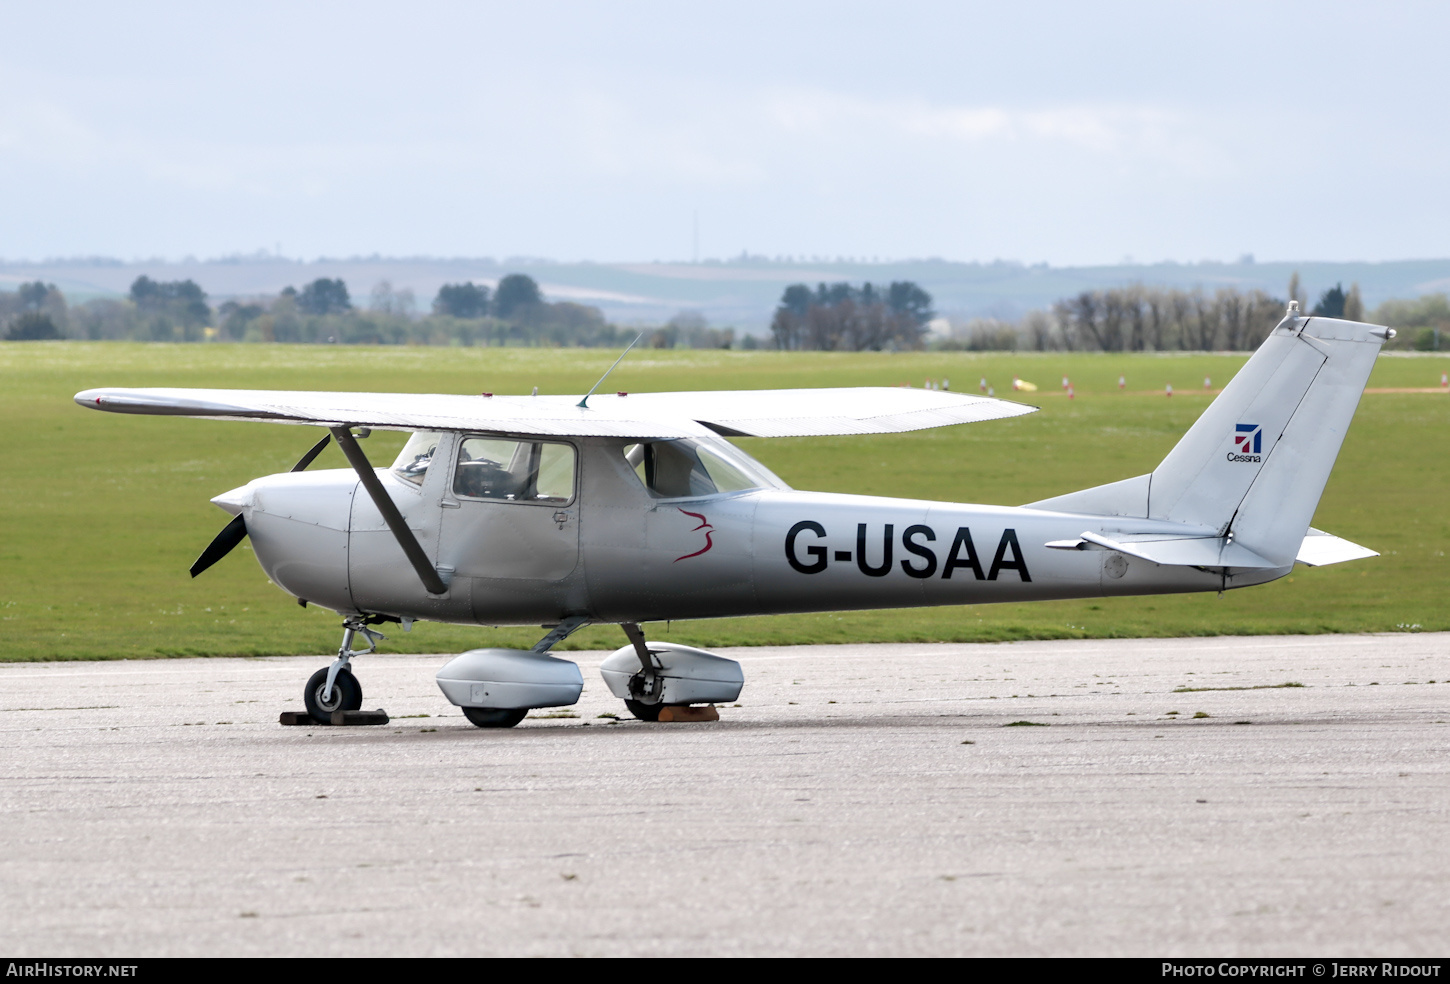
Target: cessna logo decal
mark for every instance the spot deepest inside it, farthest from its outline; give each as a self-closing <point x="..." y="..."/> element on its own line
<point x="873" y="553"/>
<point x="705" y="527"/>
<point x="1249" y="440"/>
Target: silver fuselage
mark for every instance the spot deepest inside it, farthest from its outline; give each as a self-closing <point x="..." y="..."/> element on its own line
<point x="617" y="553"/>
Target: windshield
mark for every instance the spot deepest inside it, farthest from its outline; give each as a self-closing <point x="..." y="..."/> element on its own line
<point x="413" y="461"/>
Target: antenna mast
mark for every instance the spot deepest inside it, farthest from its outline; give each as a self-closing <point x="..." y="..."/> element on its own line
<point x="585" y="401"/>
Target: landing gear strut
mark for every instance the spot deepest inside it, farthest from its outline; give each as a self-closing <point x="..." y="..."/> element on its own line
<point x="644" y="687"/>
<point x="657" y="681"/>
<point x="334" y="688"/>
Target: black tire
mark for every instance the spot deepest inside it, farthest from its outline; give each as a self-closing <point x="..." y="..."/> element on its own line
<point x="495" y="717"/>
<point x="347" y="695"/>
<point x="643" y="711"/>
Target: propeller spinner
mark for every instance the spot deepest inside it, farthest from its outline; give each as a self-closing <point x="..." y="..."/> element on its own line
<point x="236" y="531"/>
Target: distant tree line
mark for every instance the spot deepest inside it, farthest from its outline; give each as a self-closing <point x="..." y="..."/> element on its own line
<point x="1132" y="319"/>
<point x="830" y="317"/>
<point x="322" y="311"/>
<point x="1139" y="318"/>
<point x="841" y="317"/>
<point x="1423" y="323"/>
<point x="690" y="329"/>
<point x="34" y="312"/>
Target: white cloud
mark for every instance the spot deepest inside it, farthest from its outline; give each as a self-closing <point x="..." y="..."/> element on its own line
<point x="1123" y="132"/>
<point x="586" y="130"/>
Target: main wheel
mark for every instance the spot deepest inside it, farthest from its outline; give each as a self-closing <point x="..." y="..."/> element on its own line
<point x="643" y="711"/>
<point x="346" y="695"/>
<point x="495" y="717"/>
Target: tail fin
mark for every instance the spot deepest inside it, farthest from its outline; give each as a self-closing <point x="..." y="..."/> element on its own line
<point x="1254" y="465"/>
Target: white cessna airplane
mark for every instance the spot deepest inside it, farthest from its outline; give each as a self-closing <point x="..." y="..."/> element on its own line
<point x="633" y="508"/>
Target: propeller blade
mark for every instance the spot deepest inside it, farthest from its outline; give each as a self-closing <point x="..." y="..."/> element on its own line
<point x="231" y="535"/>
<point x="236" y="531"/>
<point x="311" y="456"/>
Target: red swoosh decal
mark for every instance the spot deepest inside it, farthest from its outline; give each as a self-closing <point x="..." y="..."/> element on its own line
<point x="708" y="545"/>
<point x="704" y="525"/>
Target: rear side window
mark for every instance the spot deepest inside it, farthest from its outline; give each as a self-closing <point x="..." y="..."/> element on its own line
<point x="514" y="471"/>
<point x="726" y="475"/>
<point x="682" y="469"/>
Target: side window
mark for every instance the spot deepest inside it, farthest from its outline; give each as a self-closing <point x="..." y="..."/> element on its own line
<point x="413" y="461"/>
<point x="556" y="473"/>
<point x="681" y="469"/>
<point x="516" y="471"/>
<point x="726" y="476"/>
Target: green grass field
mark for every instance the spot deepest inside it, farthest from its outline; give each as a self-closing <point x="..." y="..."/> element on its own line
<point x="103" y="513"/>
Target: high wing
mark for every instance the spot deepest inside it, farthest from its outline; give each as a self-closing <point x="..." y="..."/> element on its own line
<point x="733" y="413"/>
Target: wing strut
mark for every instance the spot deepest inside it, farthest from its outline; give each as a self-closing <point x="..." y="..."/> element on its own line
<point x="389" y="509"/>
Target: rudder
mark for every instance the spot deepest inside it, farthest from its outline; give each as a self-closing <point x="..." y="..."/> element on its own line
<point x="1253" y="467"/>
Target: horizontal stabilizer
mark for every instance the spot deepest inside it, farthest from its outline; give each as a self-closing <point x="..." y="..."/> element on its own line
<point x="1171" y="551"/>
<point x="1320" y="548"/>
<point x="733" y="413"/>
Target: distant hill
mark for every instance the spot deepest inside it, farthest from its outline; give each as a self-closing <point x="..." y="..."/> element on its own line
<point x="739" y="293"/>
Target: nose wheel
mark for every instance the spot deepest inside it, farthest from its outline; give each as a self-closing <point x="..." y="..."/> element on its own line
<point x="346" y="695"/>
<point x="334" y="688"/>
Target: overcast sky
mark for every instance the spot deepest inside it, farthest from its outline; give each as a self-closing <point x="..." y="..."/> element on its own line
<point x="1067" y="133"/>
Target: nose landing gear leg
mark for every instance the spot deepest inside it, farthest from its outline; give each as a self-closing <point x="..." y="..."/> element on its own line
<point x="334" y="688"/>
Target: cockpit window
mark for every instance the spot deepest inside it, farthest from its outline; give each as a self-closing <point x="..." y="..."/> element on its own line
<point x="682" y="469"/>
<point x="413" y="461"/>
<point x="517" y="471"/>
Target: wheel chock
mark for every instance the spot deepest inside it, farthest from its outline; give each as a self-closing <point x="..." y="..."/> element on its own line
<point x="300" y="718"/>
<point x="379" y="716"/>
<point x="682" y="714"/>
